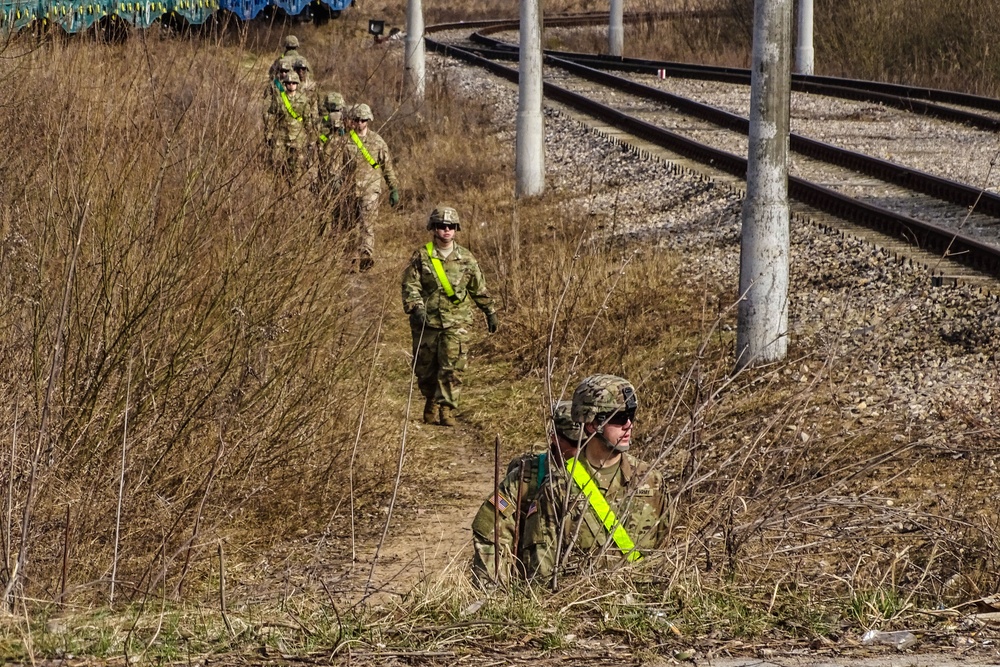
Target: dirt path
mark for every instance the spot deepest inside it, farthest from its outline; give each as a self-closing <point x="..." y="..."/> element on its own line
<point x="446" y="473"/>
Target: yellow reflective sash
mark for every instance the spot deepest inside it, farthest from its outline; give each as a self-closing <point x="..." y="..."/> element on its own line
<point x="323" y="137"/>
<point x="288" y="106"/>
<point x="589" y="488"/>
<point x="442" y="277"/>
<point x="364" y="151"/>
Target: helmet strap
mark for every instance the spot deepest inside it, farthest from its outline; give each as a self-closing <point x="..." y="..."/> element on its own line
<point x="598" y="434"/>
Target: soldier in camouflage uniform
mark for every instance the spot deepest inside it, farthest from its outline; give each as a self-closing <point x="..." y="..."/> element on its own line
<point x="290" y="125"/>
<point x="291" y="52"/>
<point x="331" y="122"/>
<point x="307" y="85"/>
<point x="281" y="68"/>
<point x="440" y="285"/>
<point x="564" y="528"/>
<point x="365" y="162"/>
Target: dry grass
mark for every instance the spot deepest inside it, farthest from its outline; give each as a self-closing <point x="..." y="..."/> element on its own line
<point x="167" y="302"/>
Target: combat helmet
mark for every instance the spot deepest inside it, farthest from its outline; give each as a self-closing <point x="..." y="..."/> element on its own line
<point x="301" y="64"/>
<point x="284" y="66"/>
<point x="562" y="420"/>
<point x="599" y="397"/>
<point x="333" y="102"/>
<point x="291" y="42"/>
<point x="292" y="77"/>
<point x="444" y="214"/>
<point x="362" y="112"/>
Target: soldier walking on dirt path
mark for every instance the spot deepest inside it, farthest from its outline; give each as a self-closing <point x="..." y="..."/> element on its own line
<point x="366" y="162"/>
<point x="289" y="127"/>
<point x="440" y="285"/>
<point x="599" y="510"/>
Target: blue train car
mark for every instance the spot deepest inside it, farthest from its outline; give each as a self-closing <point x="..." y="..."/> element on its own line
<point x="77" y="15"/>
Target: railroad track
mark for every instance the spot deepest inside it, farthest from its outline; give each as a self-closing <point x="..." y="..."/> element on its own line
<point x="927" y="217"/>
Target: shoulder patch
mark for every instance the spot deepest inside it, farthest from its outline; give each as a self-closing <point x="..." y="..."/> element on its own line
<point x="501" y="503"/>
<point x="532" y="508"/>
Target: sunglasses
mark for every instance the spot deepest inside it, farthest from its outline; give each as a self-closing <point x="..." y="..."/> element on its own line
<point x="619" y="418"/>
<point x="445" y="225"/>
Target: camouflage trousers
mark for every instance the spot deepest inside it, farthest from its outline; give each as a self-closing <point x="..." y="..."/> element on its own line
<point x="288" y="160"/>
<point x="360" y="214"/>
<point x="440" y="357"/>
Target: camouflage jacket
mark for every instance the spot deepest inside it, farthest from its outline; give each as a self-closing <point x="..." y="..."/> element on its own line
<point x="368" y="179"/>
<point x="544" y="488"/>
<point x="284" y="127"/>
<point x="420" y="286"/>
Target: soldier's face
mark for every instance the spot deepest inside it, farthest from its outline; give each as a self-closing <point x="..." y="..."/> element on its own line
<point x="444" y="232"/>
<point x="617" y="431"/>
<point x="292" y="86"/>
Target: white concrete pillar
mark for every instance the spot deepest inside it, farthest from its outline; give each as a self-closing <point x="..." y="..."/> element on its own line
<point x="804" y="52"/>
<point x="616" y="28"/>
<point x="762" y="328"/>
<point x="530" y="146"/>
<point x="414" y="61"/>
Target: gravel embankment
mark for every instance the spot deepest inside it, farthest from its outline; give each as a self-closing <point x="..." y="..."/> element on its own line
<point x="904" y="347"/>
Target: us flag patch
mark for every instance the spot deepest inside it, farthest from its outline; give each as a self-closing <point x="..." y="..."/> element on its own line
<point x="500" y="502"/>
<point x="532" y="508"/>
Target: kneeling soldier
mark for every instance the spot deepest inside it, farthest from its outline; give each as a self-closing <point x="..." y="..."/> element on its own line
<point x="599" y="509"/>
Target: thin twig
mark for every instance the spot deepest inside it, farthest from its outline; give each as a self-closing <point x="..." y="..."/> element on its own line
<point x="361" y="421"/>
<point x="399" y="468"/>
<point x="222" y="592"/>
<point x="121" y="486"/>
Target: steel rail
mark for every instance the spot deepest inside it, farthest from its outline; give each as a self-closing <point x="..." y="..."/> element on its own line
<point x="890" y="172"/>
<point x="927" y="101"/>
<point x="944" y="189"/>
<point x="927" y="236"/>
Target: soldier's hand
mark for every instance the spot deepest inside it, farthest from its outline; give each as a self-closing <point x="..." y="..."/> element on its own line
<point x="492" y="323"/>
<point x="393" y="197"/>
<point x="418" y="316"/>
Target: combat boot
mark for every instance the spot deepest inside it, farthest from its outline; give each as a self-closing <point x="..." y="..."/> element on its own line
<point x="429" y="411"/>
<point x="447" y="416"/>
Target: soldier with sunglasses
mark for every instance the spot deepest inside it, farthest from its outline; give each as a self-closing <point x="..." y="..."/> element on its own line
<point x="440" y="285"/>
<point x="601" y="509"/>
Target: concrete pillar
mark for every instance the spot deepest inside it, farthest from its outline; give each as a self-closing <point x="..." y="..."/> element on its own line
<point x="616" y="29"/>
<point x="530" y="146"/>
<point x="804" y="52"/>
<point x="414" y="60"/>
<point x="762" y="328"/>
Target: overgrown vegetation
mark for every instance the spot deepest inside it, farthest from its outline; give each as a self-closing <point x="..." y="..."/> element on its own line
<point x="205" y="407"/>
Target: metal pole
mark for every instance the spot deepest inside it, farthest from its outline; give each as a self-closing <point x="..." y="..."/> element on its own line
<point x="804" y="52"/>
<point x="529" y="161"/>
<point x="616" y="28"/>
<point x="762" y="328"/>
<point x="414" y="45"/>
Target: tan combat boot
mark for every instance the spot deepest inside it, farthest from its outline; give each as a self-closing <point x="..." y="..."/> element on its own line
<point x="429" y="411"/>
<point x="447" y="416"/>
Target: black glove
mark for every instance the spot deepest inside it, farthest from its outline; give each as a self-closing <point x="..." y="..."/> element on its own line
<point x="418" y="316"/>
<point x="393" y="197"/>
<point x="492" y="323"/>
